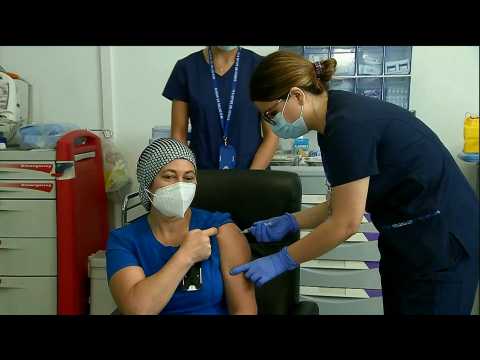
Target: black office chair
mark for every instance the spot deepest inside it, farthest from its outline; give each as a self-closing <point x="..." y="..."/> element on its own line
<point x="255" y="195"/>
<point x="249" y="196"/>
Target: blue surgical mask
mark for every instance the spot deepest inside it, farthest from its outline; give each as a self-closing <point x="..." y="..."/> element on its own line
<point x="287" y="130"/>
<point x="227" y="48"/>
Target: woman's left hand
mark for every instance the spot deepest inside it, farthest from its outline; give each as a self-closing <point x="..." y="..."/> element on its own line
<point x="274" y="229"/>
<point x="263" y="270"/>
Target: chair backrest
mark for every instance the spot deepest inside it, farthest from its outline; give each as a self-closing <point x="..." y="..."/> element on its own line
<point x="249" y="196"/>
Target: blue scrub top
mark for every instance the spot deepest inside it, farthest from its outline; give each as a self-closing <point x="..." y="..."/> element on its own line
<point x="191" y="82"/>
<point x="411" y="174"/>
<point x="135" y="245"/>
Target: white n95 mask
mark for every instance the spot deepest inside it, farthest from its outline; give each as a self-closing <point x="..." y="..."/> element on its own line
<point x="174" y="200"/>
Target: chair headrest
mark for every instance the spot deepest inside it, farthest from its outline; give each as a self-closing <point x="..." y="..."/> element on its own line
<point x="248" y="195"/>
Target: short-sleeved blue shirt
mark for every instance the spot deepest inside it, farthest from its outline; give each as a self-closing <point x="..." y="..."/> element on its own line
<point x="191" y="82"/>
<point x="135" y="245"/>
<point x="411" y="174"/>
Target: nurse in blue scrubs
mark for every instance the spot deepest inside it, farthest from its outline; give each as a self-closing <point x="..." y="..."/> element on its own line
<point x="378" y="158"/>
<point x="209" y="88"/>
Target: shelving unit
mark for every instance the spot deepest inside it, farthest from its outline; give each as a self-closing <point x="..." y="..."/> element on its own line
<point x="382" y="72"/>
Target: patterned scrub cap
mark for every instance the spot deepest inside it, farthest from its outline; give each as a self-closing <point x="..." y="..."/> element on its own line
<point x="153" y="158"/>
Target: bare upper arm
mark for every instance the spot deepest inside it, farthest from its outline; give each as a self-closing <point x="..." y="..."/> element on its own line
<point x="123" y="281"/>
<point x="179" y="121"/>
<point x="234" y="251"/>
<point x="348" y="202"/>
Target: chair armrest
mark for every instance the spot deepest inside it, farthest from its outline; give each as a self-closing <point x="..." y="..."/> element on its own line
<point x="305" y="308"/>
<point x="116" y="312"/>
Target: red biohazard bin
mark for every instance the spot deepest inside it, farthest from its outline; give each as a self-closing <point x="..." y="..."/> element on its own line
<point x="82" y="225"/>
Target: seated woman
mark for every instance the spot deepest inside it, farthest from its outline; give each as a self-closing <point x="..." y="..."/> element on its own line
<point x="151" y="261"/>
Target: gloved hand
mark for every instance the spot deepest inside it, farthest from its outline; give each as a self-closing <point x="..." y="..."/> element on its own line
<point x="264" y="269"/>
<point x="274" y="229"/>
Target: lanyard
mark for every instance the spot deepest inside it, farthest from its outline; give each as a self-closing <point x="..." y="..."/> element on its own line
<point x="224" y="122"/>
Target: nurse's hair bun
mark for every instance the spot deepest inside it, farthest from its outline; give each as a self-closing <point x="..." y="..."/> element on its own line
<point x="280" y="71"/>
<point x="324" y="70"/>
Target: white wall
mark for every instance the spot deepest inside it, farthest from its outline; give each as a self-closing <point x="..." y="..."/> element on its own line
<point x="65" y="79"/>
<point x="67" y="87"/>
<point x="445" y="86"/>
<point x="139" y="76"/>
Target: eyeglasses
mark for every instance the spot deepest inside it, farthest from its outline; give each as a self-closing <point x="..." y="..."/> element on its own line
<point x="270" y="113"/>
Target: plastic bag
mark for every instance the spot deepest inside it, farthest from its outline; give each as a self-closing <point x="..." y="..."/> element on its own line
<point x="43" y="136"/>
<point x="115" y="167"/>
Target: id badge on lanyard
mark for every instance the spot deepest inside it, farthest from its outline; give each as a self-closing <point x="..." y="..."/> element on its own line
<point x="227" y="153"/>
<point x="227" y="157"/>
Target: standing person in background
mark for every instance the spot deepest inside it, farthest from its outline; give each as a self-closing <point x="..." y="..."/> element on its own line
<point x="211" y="89"/>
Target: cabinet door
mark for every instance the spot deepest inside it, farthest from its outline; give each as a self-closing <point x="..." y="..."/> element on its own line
<point x="344" y="278"/>
<point x="27" y="170"/>
<point x="313" y="185"/>
<point x="28" y="218"/>
<point x="346" y="306"/>
<point x="27" y="189"/>
<point x="28" y="295"/>
<point x="28" y="256"/>
<point x="362" y="251"/>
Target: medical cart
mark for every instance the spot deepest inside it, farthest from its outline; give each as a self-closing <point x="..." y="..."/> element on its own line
<point x="345" y="280"/>
<point x="52" y="216"/>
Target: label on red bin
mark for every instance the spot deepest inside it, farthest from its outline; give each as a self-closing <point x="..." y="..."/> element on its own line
<point x="45" y="168"/>
<point x="45" y="187"/>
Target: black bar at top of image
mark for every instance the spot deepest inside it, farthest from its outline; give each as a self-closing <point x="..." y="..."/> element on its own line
<point x="242" y="22"/>
<point x="254" y="29"/>
<point x="187" y="38"/>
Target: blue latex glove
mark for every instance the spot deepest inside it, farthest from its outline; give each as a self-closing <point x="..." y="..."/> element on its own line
<point x="263" y="270"/>
<point x="274" y="229"/>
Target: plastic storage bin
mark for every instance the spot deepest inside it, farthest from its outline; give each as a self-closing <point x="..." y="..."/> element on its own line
<point x="159" y="132"/>
<point x="316" y="53"/>
<point x="342" y="84"/>
<point x="294" y="49"/>
<point x="345" y="56"/>
<point x="371" y="87"/>
<point x="397" y="91"/>
<point x="397" y="60"/>
<point x="370" y="60"/>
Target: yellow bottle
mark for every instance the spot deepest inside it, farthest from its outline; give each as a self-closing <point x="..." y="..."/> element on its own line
<point x="470" y="134"/>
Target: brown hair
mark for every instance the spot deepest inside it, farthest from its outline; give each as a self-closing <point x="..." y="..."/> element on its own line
<point x="277" y="73"/>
